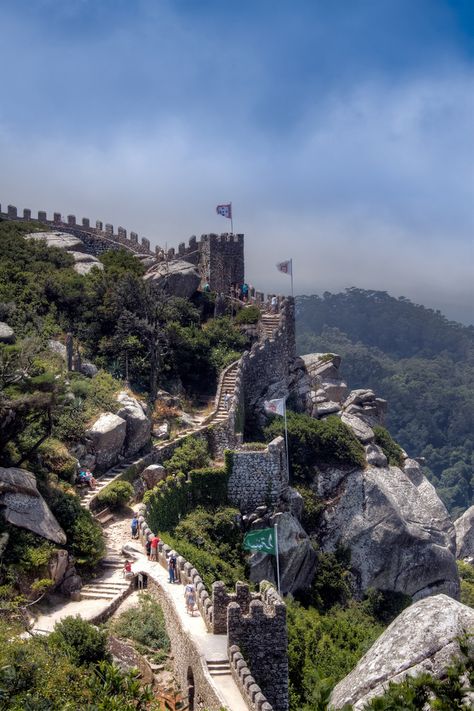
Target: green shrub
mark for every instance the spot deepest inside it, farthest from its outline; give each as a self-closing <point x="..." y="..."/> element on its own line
<point x="116" y="494"/>
<point x="209" y="565"/>
<point x="216" y="531"/>
<point x="390" y="448"/>
<point x="314" y="442"/>
<point x="312" y="508"/>
<point x="331" y="584"/>
<point x="385" y="605"/>
<point x="81" y="641"/>
<point x="466" y="573"/>
<point x="69" y="424"/>
<point x="324" y="648"/>
<point x="209" y="486"/>
<point x="56" y="459"/>
<point x="87" y="540"/>
<point x="66" y="507"/>
<point x="192" y="454"/>
<point x="167" y="502"/>
<point x="248" y="315"/>
<point x="144" y="624"/>
<point x="102" y="394"/>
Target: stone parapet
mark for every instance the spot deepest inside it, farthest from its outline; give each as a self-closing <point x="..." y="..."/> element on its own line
<point x="97" y="239"/>
<point x="258" y="477"/>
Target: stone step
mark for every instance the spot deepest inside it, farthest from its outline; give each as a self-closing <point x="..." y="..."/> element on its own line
<point x="218" y="667"/>
<point x="97" y="595"/>
<point x="105" y="588"/>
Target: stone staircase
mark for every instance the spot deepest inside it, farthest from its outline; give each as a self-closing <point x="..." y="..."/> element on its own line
<point x="218" y="667"/>
<point x="270" y="324"/>
<point x="228" y="385"/>
<point x="103" y="481"/>
<point x="104" y="589"/>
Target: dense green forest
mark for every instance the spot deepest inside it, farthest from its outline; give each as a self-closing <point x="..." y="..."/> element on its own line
<point x="419" y="361"/>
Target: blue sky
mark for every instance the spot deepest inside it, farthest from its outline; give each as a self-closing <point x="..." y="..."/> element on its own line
<point x="341" y="130"/>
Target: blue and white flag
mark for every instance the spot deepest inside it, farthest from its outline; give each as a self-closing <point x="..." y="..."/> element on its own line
<point x="225" y="210"/>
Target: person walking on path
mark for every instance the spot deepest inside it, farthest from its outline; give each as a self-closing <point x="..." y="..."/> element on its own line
<point x="154" y="547"/>
<point x="134" y="527"/>
<point x="227" y="399"/>
<point x="274" y="304"/>
<point x="172" y="569"/>
<point x="148" y="548"/>
<point x="190" y="598"/>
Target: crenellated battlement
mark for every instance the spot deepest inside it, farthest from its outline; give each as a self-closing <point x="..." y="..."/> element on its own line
<point x="98" y="239"/>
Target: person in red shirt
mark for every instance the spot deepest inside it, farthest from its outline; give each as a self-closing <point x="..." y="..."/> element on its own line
<point x="154" y="547"/>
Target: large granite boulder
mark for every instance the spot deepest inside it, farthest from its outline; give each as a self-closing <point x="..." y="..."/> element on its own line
<point x="464" y="526"/>
<point x="366" y="406"/>
<point x="153" y="474"/>
<point x="22" y="505"/>
<point x="395" y="526"/>
<point x="84" y="263"/>
<point x="138" y="430"/>
<point x="7" y="335"/>
<point x="296" y="554"/>
<point x="105" y="439"/>
<point x="62" y="240"/>
<point x="425" y="638"/>
<point x="323" y="372"/>
<point x="177" y="277"/>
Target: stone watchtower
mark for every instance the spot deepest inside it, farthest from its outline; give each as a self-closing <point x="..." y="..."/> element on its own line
<point x="218" y="258"/>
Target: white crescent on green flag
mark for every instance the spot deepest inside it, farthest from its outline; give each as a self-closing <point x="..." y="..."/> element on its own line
<point x="262" y="540"/>
<point x="275" y="407"/>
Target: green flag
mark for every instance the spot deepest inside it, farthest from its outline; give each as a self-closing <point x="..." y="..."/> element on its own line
<point x="262" y="540"/>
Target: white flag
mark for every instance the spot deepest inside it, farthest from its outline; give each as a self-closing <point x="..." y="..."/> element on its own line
<point x="275" y="407"/>
<point x="286" y="267"/>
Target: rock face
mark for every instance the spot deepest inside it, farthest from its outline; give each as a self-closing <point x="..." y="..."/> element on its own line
<point x="106" y="438"/>
<point x="83" y="262"/>
<point x="22" y="505"/>
<point x="464" y="526"/>
<point x="138" y="429"/>
<point x="297" y="556"/>
<point x="423" y="639"/>
<point x="397" y="529"/>
<point x="152" y="474"/>
<point x="177" y="277"/>
<point x="7" y="334"/>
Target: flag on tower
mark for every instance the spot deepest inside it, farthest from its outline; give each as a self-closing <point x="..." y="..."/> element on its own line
<point x="286" y="267"/>
<point x="225" y="210"/>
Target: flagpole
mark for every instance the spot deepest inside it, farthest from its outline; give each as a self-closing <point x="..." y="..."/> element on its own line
<point x="292" y="278"/>
<point x="286" y="442"/>
<point x="277" y="556"/>
<point x="231" y="220"/>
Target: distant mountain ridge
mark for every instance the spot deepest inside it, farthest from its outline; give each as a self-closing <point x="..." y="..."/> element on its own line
<point x="421" y="362"/>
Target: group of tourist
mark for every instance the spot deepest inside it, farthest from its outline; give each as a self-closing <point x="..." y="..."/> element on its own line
<point x="173" y="572"/>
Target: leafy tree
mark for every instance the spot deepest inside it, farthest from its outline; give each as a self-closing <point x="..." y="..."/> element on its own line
<point x="82" y="642"/>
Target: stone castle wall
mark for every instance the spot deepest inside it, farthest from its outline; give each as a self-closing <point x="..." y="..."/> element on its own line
<point x="253" y="621"/>
<point x="261" y="635"/>
<point x="97" y="239"/>
<point x="258" y="477"/>
<point x="219" y="259"/>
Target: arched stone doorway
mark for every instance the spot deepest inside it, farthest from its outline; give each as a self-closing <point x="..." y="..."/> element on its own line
<point x="190" y="683"/>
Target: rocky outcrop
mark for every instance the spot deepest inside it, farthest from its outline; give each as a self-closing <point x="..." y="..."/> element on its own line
<point x="7" y="335"/>
<point x="425" y="638"/>
<point x="63" y="574"/>
<point x="464" y="526"/>
<point x="177" y="277"/>
<point x="83" y="262"/>
<point x="395" y="526"/>
<point x="105" y="439"/>
<point x="22" y="505"/>
<point x="152" y="474"/>
<point x="366" y="406"/>
<point x="138" y="427"/>
<point x="82" y="366"/>
<point x="296" y="553"/>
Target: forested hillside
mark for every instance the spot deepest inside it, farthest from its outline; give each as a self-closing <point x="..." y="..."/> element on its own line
<point x="419" y="361"/>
